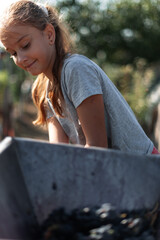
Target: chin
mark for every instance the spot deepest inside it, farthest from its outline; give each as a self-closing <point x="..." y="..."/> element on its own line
<point x="34" y="73"/>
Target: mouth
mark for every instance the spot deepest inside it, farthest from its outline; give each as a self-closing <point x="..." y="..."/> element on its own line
<point x="30" y="65"/>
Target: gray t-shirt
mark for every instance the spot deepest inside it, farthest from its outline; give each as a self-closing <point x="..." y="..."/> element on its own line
<point x="82" y="78"/>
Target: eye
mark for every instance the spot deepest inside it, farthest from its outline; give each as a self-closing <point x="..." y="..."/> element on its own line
<point x="26" y="46"/>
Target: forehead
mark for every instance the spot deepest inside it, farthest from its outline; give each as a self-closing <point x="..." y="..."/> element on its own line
<point x="15" y="33"/>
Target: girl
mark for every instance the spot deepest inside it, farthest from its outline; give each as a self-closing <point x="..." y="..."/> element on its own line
<point x="73" y="96"/>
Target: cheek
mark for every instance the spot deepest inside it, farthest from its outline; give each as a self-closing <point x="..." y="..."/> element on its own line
<point x="42" y="56"/>
<point x="45" y="50"/>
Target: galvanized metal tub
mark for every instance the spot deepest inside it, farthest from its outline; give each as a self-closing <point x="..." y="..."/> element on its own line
<point x="37" y="177"/>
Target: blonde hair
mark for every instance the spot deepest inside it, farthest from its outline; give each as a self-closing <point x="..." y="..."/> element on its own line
<point x="29" y="13"/>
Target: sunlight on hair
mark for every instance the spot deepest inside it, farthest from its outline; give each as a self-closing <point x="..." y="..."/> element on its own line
<point x="6" y="3"/>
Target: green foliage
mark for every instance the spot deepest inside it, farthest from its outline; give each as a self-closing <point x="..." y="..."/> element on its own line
<point x="14" y="77"/>
<point x="16" y="80"/>
<point x="3" y="84"/>
<point x="133" y="82"/>
<point x="119" y="33"/>
<point x="3" y="78"/>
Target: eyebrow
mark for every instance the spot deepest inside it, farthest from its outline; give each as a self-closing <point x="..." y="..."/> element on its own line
<point x="19" y="39"/>
<point x="22" y="38"/>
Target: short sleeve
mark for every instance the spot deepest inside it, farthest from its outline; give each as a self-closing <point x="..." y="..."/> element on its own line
<point x="48" y="111"/>
<point x="81" y="81"/>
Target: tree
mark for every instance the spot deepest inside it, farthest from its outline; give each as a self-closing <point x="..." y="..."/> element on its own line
<point x="119" y="33"/>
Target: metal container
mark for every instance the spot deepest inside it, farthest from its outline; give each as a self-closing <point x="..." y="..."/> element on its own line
<point x="37" y="177"/>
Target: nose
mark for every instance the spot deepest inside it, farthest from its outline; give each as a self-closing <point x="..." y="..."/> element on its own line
<point x="20" y="59"/>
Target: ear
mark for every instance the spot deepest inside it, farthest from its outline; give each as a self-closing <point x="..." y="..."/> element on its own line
<point x="50" y="33"/>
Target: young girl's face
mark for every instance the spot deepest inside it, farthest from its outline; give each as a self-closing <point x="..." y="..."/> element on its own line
<point x="30" y="48"/>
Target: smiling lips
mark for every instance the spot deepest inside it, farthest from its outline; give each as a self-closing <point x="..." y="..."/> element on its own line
<point x="30" y="65"/>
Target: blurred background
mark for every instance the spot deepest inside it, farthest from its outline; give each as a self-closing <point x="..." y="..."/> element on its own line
<point x="122" y="36"/>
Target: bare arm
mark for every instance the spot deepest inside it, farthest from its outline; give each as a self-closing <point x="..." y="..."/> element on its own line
<point x="56" y="132"/>
<point x="92" y="118"/>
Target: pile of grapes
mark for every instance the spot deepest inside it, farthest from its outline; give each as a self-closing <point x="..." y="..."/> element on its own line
<point x="100" y="223"/>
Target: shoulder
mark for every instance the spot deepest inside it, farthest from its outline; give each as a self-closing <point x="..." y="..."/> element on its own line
<point x="76" y="58"/>
<point x="76" y="63"/>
